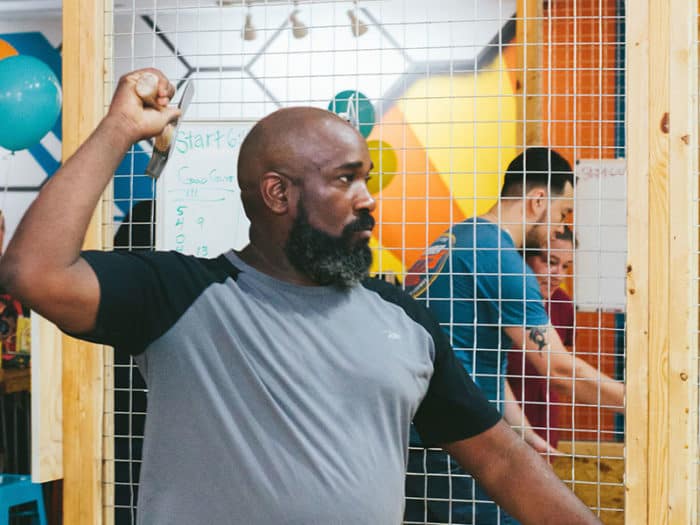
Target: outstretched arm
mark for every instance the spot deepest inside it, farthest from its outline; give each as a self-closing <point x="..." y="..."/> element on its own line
<point x="568" y="374"/>
<point x="42" y="266"/>
<point x="519" y="480"/>
<point x="515" y="416"/>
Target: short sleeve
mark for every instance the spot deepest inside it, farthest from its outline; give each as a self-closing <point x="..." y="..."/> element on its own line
<point x="453" y="407"/>
<point x="142" y="294"/>
<point x="507" y="282"/>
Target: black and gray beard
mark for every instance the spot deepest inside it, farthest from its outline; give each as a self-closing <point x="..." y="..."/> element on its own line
<point x="327" y="260"/>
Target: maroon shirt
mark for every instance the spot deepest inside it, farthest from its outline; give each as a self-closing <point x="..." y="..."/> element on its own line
<point x="561" y="312"/>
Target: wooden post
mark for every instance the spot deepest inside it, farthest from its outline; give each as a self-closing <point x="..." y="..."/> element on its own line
<point x="528" y="85"/>
<point x="83" y="396"/>
<point x="46" y="401"/>
<point x="662" y="427"/>
<point x="682" y="407"/>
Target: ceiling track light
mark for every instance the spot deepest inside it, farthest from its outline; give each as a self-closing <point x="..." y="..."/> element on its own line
<point x="357" y="26"/>
<point x="299" y="29"/>
<point x="248" y="31"/>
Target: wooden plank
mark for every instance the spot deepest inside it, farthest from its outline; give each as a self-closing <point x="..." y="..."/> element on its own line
<point x="83" y="53"/>
<point x="683" y="237"/>
<point x="658" y="242"/>
<point x="529" y="43"/>
<point x="636" y="402"/>
<point x="46" y="401"/>
<point x="107" y="242"/>
<point x="108" y="440"/>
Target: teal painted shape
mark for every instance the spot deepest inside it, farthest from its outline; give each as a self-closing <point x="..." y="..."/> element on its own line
<point x="356" y="108"/>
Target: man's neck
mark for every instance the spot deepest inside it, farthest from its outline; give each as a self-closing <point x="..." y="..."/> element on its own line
<point x="273" y="263"/>
<point x="508" y="218"/>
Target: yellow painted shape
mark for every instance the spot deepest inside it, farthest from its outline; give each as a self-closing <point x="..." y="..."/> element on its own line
<point x="385" y="165"/>
<point x="467" y="124"/>
<point x="384" y="260"/>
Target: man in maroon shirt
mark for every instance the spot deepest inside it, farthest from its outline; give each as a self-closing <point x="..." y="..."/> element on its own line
<point x="550" y="265"/>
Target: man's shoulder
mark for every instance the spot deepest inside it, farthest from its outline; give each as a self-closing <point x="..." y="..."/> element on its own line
<point x="163" y="271"/>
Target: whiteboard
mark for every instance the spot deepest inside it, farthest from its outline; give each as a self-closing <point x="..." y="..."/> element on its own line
<point x="600" y="225"/>
<point x="198" y="203"/>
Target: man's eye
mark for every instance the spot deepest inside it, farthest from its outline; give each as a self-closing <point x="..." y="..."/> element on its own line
<point x="346" y="178"/>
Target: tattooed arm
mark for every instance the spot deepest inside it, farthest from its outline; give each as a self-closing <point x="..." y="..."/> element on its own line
<point x="568" y="374"/>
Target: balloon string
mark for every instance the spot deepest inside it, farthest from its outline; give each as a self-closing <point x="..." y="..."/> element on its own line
<point x="6" y="178"/>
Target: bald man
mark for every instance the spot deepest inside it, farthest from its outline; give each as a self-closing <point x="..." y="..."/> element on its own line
<point x="282" y="382"/>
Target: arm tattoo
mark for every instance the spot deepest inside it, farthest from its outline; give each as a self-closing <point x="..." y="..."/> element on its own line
<point x="537" y="336"/>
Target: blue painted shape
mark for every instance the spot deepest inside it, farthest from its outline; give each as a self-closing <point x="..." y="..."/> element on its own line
<point x="620" y="94"/>
<point x="130" y="183"/>
<point x="620" y="343"/>
<point x="44" y="158"/>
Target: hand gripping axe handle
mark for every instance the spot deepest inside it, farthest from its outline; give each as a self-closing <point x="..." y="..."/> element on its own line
<point x="147" y="89"/>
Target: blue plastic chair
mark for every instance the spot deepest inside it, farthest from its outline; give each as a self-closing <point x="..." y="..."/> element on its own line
<point x="17" y="489"/>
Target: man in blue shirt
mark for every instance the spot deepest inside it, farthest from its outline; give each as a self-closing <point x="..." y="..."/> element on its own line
<point x="487" y="300"/>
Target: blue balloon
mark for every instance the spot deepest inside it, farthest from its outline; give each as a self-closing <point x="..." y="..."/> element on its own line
<point x="30" y="101"/>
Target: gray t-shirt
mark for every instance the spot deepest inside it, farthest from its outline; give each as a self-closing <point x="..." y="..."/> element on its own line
<point x="272" y="403"/>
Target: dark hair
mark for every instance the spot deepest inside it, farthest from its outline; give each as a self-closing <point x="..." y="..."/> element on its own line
<point x="537" y="168"/>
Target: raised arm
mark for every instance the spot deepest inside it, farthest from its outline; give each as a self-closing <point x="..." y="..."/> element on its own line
<point x="519" y="480"/>
<point x="568" y="374"/>
<point x="42" y="266"/>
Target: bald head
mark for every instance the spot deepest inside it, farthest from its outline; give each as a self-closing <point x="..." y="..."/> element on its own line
<point x="285" y="138"/>
<point x="291" y="141"/>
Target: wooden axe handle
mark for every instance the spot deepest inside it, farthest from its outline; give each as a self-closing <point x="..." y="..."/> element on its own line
<point x="147" y="90"/>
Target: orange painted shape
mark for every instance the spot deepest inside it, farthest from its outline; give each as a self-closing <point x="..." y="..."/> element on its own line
<point x="416" y="207"/>
<point x="6" y="50"/>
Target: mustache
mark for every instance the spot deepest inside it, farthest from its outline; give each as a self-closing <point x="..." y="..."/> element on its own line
<point x="365" y="221"/>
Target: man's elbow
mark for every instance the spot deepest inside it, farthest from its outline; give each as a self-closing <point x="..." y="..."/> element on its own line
<point x="8" y="275"/>
<point x="20" y="279"/>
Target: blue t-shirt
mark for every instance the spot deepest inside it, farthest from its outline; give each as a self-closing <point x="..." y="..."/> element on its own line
<point x="476" y="283"/>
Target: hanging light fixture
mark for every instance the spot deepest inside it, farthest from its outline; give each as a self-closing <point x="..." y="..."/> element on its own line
<point x="248" y="29"/>
<point x="299" y="30"/>
<point x="357" y="26"/>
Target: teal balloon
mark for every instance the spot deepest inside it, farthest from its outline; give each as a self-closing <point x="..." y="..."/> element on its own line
<point x="356" y="108"/>
<point x="30" y="101"/>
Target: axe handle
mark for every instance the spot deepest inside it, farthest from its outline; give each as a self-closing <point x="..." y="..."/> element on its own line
<point x="147" y="90"/>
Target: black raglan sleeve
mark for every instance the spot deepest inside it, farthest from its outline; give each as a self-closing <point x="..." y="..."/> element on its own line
<point x="142" y="294"/>
<point x="453" y="408"/>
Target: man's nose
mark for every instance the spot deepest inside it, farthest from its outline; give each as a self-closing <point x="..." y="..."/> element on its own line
<point x="364" y="199"/>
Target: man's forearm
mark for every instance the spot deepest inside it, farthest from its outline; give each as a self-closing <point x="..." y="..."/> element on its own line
<point x="586" y="384"/>
<point x="518" y="479"/>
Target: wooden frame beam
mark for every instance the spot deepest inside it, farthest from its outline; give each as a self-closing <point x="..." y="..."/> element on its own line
<point x="83" y="369"/>
<point x="662" y="362"/>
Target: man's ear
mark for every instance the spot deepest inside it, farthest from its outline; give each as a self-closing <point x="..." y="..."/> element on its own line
<point x="274" y="189"/>
<point x="537" y="201"/>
